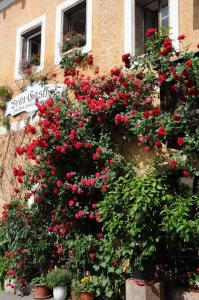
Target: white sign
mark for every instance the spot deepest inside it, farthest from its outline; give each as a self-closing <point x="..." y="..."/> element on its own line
<point x="25" y="102"/>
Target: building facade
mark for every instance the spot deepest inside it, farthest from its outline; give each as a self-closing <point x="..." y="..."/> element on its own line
<point x="36" y="29"/>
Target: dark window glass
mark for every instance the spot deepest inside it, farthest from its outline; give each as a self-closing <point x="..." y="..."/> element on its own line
<point x="75" y="19"/>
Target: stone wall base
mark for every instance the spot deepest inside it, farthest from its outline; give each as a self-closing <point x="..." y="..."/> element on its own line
<point x="146" y="292"/>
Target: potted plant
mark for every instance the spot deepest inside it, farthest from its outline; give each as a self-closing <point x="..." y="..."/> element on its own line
<point x="41" y="290"/>
<point x="58" y="279"/>
<point x="75" y="289"/>
<point x="73" y="40"/>
<point x="87" y="291"/>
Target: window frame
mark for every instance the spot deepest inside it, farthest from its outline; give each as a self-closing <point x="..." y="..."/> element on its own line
<point x="129" y="24"/>
<point x="40" y="21"/>
<point x="61" y="8"/>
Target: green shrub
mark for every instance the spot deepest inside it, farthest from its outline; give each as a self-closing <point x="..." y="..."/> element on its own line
<point x="5" y="95"/>
<point x="58" y="278"/>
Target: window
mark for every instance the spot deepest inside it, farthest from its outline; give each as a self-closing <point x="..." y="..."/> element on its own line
<point x="149" y="14"/>
<point x="30" y="44"/>
<point x="73" y="27"/>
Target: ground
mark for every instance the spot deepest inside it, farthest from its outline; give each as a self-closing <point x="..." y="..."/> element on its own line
<point x="4" y="296"/>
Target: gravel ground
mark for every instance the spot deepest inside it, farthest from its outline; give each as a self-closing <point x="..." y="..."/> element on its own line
<point x="4" y="296"/>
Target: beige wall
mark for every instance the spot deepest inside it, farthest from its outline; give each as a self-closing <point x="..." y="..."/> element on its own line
<point x="107" y="33"/>
<point x="189" y="22"/>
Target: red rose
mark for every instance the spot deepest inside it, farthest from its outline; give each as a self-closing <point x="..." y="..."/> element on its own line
<point x="188" y="63"/>
<point x="180" y="141"/>
<point x="185" y="173"/>
<point x="147" y="148"/>
<point x="59" y="250"/>
<point x="181" y="37"/>
<point x="173" y="164"/>
<point x="161" y="131"/>
<point x="103" y="187"/>
<point x="78" y="145"/>
<point x="16" y="190"/>
<point x="126" y="59"/>
<point x="80" y="123"/>
<point x="174" y="88"/>
<point x="146" y="114"/>
<point x="95" y="156"/>
<point x="87" y="145"/>
<point x="150" y="32"/>
<point x="59" y="183"/>
<point x="71" y="203"/>
<point x="158" y="144"/>
<point x="141" y="138"/>
<point x="176" y="117"/>
<point x="91" y="256"/>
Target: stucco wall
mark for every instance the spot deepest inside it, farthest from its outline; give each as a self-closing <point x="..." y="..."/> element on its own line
<point x="189" y="22"/>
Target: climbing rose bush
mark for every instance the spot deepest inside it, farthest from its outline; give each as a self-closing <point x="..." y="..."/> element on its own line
<point x="76" y="158"/>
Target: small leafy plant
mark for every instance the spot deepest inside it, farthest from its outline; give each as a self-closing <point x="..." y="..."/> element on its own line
<point x="39" y="280"/>
<point x="58" y="278"/>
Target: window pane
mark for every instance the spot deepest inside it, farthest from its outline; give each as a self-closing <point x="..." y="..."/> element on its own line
<point x="35" y="49"/>
<point x="165" y="16"/>
<point x="75" y="19"/>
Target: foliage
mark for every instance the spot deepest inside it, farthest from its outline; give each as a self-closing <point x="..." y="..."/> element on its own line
<point x="90" y="212"/>
<point x="58" y="278"/>
<point x="128" y="209"/>
<point x="5" y="96"/>
<point x="74" y="59"/>
<point x="194" y="278"/>
<point x="39" y="280"/>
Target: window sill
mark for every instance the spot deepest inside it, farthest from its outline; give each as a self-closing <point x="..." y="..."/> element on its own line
<point x="66" y="53"/>
<point x="36" y="69"/>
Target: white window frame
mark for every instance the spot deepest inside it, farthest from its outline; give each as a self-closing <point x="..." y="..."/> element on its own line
<point x="129" y="24"/>
<point x="40" y="21"/>
<point x="61" y="8"/>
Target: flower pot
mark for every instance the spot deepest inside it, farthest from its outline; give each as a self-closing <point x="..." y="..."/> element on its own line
<point x="60" y="293"/>
<point x="41" y="291"/>
<point x="74" y="296"/>
<point x="86" y="296"/>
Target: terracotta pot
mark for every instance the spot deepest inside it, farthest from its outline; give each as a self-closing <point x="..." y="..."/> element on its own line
<point x="86" y="296"/>
<point x="41" y="291"/>
<point x="74" y="296"/>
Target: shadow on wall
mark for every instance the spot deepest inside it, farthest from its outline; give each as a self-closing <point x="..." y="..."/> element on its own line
<point x="4" y="11"/>
<point x="195" y="14"/>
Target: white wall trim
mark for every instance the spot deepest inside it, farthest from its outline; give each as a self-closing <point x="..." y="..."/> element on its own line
<point x="59" y="26"/>
<point x="5" y="3"/>
<point x="36" y="22"/>
<point x="129" y="26"/>
<point x="174" y="21"/>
